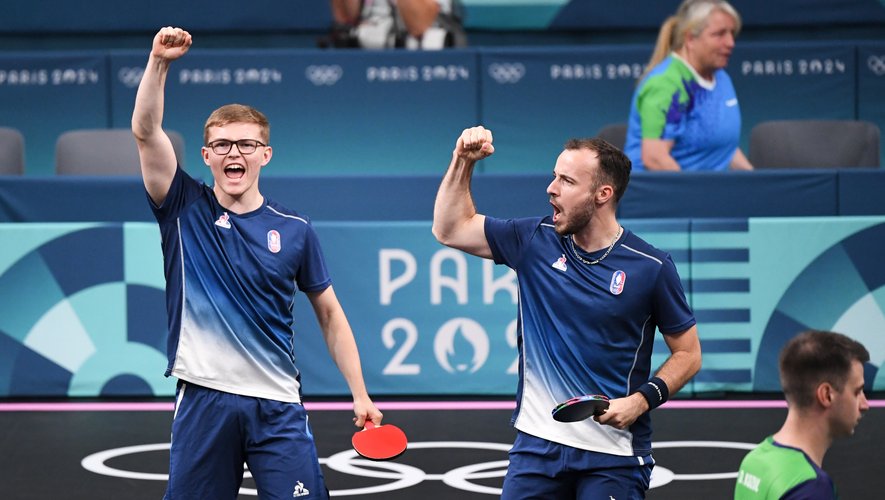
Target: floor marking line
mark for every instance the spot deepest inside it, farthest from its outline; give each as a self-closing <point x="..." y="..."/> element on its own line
<point x="384" y="405"/>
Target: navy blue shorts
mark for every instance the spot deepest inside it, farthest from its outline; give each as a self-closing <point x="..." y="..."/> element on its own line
<point x="214" y="433"/>
<point x="541" y="469"/>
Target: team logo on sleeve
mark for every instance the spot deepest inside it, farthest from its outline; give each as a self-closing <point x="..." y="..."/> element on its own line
<point x="223" y="221"/>
<point x="273" y="241"/>
<point x="617" y="284"/>
<point x="560" y="264"/>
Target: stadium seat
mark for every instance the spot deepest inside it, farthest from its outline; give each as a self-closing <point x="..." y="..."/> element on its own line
<point x="814" y="144"/>
<point x="614" y="133"/>
<point x="103" y="152"/>
<point x="12" y="152"/>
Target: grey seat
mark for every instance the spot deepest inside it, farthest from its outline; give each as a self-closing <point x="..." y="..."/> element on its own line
<point x="12" y="152"/>
<point x="614" y="133"/>
<point x="814" y="144"/>
<point x="104" y="152"/>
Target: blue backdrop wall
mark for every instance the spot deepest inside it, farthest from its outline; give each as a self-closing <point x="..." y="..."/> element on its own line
<point x="365" y="113"/>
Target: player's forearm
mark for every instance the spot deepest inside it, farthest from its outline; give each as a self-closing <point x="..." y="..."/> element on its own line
<point x="342" y="348"/>
<point x="344" y="352"/>
<point x="147" y="116"/>
<point x="679" y="368"/>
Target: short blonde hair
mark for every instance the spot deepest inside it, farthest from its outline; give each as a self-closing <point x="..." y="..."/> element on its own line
<point x="237" y="113"/>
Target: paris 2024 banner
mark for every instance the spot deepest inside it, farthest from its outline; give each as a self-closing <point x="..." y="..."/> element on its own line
<point x="82" y="311"/>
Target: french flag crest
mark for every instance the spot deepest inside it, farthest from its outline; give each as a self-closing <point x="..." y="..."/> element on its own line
<point x="273" y="241"/>
<point x="617" y="284"/>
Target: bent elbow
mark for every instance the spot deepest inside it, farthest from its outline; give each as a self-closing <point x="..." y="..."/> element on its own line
<point x="141" y="133"/>
<point x="696" y="364"/>
<point x="440" y="235"/>
<point x="138" y="132"/>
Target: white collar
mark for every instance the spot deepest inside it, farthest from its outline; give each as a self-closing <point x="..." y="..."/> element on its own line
<point x="703" y="82"/>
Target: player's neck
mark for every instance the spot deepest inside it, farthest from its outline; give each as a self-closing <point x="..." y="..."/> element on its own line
<point x="244" y="203"/>
<point x="809" y="434"/>
<point x="599" y="234"/>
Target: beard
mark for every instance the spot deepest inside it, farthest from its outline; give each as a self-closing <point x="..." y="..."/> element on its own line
<point x="574" y="222"/>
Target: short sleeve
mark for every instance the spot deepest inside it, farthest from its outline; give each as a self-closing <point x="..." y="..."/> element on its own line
<point x="182" y="192"/>
<point x="507" y="238"/>
<point x="671" y="309"/>
<point x="312" y="274"/>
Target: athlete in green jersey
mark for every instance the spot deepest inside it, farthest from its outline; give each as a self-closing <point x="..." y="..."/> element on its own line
<point x="822" y="377"/>
<point x="773" y="470"/>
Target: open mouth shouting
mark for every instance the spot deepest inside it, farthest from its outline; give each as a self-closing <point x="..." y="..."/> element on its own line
<point x="557" y="212"/>
<point x="234" y="171"/>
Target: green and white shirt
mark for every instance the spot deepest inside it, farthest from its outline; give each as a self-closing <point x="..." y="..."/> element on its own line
<point x="775" y="471"/>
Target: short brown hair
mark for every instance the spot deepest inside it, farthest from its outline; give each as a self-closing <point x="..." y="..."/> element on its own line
<point x="814" y="357"/>
<point x="237" y="113"/>
<point x="614" y="166"/>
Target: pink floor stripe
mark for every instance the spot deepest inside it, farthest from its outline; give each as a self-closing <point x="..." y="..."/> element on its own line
<point x="389" y="405"/>
<point x="724" y="404"/>
<point x="75" y="406"/>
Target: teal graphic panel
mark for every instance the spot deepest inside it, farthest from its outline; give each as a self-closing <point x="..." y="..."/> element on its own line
<point x="428" y="319"/>
<point x="71" y="321"/>
<point x="828" y="275"/>
<point x="82" y="310"/>
<point x="722" y="298"/>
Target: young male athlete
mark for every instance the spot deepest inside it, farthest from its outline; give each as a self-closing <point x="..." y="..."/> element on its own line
<point x="822" y="378"/>
<point x="233" y="263"/>
<point x="591" y="295"/>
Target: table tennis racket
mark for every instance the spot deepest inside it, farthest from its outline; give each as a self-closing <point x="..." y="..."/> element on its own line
<point x="580" y="408"/>
<point x="382" y="442"/>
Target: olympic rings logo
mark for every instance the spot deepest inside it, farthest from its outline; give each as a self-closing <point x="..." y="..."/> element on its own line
<point x="402" y="476"/>
<point x="876" y="64"/>
<point x="130" y="76"/>
<point x="324" y="75"/>
<point x="506" y="72"/>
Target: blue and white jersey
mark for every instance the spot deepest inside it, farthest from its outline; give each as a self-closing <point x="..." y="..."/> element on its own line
<point x="586" y="328"/>
<point x="231" y="281"/>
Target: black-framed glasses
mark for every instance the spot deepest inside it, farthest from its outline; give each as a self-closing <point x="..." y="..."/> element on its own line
<point x="244" y="146"/>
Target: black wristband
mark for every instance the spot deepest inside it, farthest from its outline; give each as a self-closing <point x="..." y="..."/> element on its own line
<point x="655" y="391"/>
